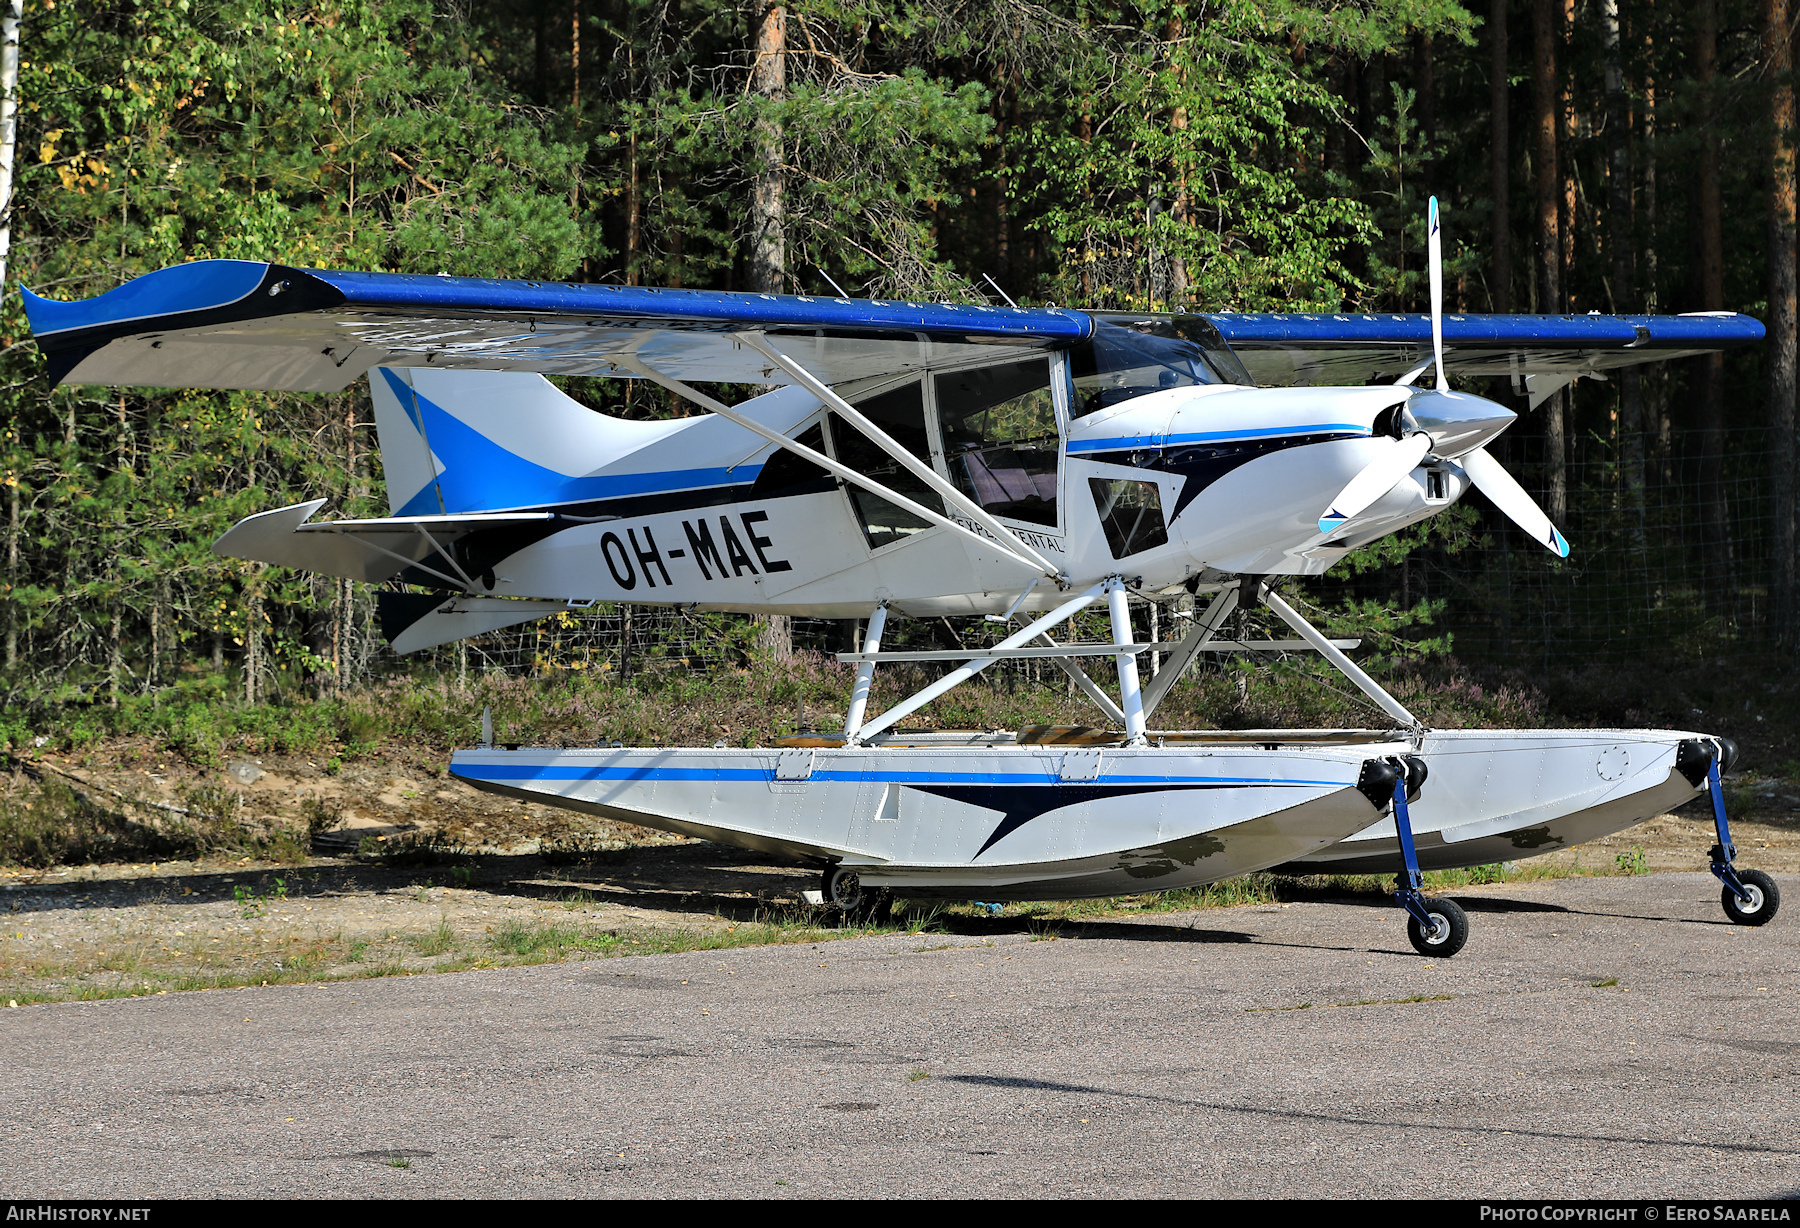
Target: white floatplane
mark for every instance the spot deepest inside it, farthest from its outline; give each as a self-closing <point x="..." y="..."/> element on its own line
<point x="933" y="459"/>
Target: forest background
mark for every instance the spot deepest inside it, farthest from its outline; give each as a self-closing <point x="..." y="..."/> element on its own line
<point x="1592" y="155"/>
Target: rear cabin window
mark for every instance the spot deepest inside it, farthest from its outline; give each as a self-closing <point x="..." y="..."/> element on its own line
<point x="900" y="413"/>
<point x="1000" y="438"/>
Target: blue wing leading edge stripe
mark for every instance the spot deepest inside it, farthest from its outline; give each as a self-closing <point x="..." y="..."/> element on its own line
<point x="210" y="285"/>
<point x="1723" y="330"/>
<point x="679" y="308"/>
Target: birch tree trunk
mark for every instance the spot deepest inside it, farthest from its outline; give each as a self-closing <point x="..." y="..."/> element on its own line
<point x="9" y="136"/>
<point x="9" y="122"/>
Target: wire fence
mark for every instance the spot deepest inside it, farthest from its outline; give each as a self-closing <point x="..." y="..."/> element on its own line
<point x="1642" y="582"/>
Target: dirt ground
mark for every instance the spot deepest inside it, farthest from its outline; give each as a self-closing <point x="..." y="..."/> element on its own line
<point x="134" y="928"/>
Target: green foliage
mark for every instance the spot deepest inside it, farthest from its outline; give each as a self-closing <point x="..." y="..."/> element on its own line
<point x="1165" y="167"/>
<point x="358" y="135"/>
<point x="1239" y="154"/>
<point x="49" y="824"/>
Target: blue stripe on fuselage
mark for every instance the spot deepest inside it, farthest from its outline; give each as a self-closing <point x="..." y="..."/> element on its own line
<point x="1126" y="443"/>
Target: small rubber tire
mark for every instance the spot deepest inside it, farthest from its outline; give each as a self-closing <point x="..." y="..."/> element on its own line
<point x="1452" y="931"/>
<point x="1765" y="899"/>
<point x="843" y="890"/>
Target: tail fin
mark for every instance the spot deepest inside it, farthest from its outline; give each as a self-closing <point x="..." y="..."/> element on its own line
<point x="489" y="441"/>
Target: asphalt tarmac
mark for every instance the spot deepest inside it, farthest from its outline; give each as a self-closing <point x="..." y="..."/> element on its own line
<point x="1598" y="1037"/>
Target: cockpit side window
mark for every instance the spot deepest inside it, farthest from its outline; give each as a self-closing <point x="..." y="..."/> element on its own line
<point x="1130" y="356"/>
<point x="1001" y="442"/>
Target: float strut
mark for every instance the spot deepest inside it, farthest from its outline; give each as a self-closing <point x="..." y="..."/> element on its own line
<point x="1412" y="888"/>
<point x="865" y="673"/>
<point x="1131" y="701"/>
<point x="1724" y="850"/>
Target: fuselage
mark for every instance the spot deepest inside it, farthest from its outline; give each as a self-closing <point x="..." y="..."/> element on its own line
<point x="1143" y="452"/>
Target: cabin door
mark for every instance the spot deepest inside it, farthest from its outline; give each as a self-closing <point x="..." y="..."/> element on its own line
<point x="1001" y="443"/>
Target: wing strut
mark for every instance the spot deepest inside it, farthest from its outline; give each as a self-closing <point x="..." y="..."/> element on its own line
<point x="881" y="439"/>
<point x="1028" y="558"/>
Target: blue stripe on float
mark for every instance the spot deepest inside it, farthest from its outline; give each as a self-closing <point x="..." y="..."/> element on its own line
<point x="1167" y="441"/>
<point x="502" y="771"/>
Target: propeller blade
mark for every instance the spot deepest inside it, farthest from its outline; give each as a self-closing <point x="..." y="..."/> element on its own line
<point x="1435" y="247"/>
<point x="1377" y="478"/>
<point x="1507" y="495"/>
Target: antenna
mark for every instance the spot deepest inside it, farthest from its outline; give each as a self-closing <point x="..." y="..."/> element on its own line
<point x="834" y="285"/>
<point x="1003" y="294"/>
<point x="1435" y="247"/>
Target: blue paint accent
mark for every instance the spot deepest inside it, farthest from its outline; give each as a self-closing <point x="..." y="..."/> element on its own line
<point x="171" y="291"/>
<point x="1725" y="851"/>
<point x="1127" y="442"/>
<point x="1558" y="543"/>
<point x="216" y="283"/>
<point x="1411" y="893"/>
<point x="504" y="771"/>
<point x="1515" y="332"/>
<point x="686" y="309"/>
<point x="1329" y="523"/>
<point x="210" y="284"/>
<point x="481" y="476"/>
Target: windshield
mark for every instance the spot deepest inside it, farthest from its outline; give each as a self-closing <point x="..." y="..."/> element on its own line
<point x="1129" y="356"/>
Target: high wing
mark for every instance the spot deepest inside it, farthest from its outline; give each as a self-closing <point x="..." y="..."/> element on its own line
<point x="243" y="324"/>
<point x="239" y="324"/>
<point x="1538" y="353"/>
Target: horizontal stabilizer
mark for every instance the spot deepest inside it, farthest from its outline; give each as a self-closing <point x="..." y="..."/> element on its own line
<point x="373" y="551"/>
<point x="414" y="621"/>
